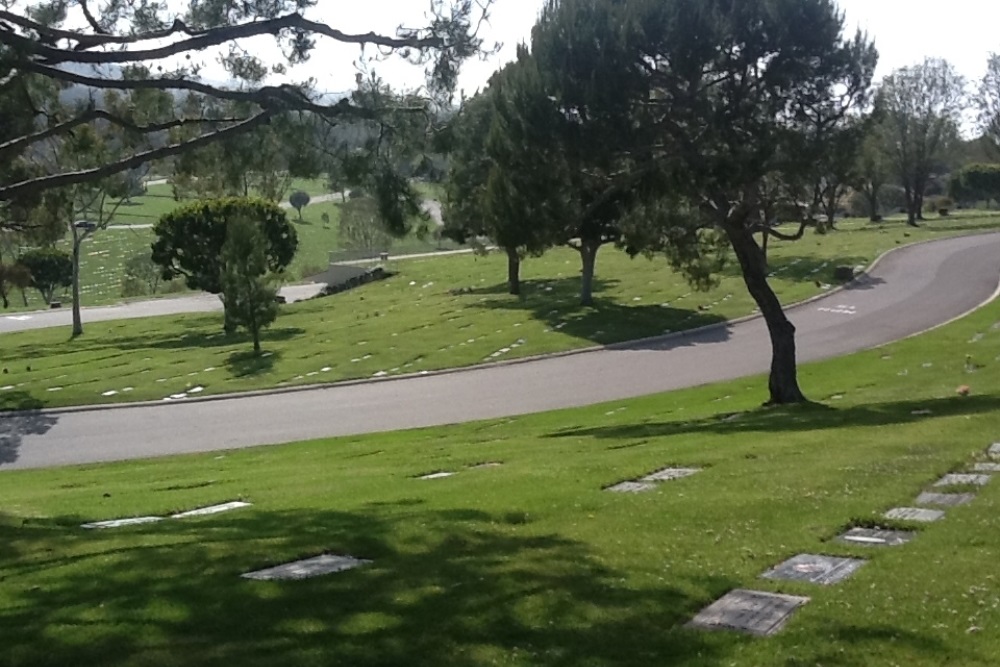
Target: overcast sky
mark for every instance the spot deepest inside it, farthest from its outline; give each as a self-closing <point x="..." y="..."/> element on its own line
<point x="905" y="31"/>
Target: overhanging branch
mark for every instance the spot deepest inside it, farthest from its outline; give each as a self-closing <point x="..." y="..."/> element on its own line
<point x="14" y="190"/>
<point x="199" y="40"/>
<point x="15" y="146"/>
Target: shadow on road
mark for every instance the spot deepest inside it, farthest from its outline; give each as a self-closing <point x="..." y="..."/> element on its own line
<point x="15" y="425"/>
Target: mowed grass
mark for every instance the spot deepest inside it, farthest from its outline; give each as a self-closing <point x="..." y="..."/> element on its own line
<point x="436" y="313"/>
<point x="530" y="562"/>
<point x="105" y="254"/>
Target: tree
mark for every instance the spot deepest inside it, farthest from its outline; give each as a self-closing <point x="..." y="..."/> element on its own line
<point x="361" y="228"/>
<point x="50" y="269"/>
<point x="976" y="182"/>
<point x="922" y="109"/>
<point x="716" y="91"/>
<point x="299" y="200"/>
<point x="989" y="102"/>
<point x="142" y="276"/>
<point x="872" y="171"/>
<point x="249" y="286"/>
<point x="501" y="181"/>
<point x="88" y="44"/>
<point x="13" y="276"/>
<point x="189" y="240"/>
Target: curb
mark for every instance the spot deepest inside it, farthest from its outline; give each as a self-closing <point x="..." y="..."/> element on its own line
<point x="623" y="345"/>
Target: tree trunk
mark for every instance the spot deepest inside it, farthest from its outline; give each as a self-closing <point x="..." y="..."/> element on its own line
<point x="24" y="296"/>
<point x="588" y="257"/>
<point x="783" y="384"/>
<point x="872" y="197"/>
<point x="765" y="240"/>
<point x="77" y="320"/>
<point x="6" y="303"/>
<point x="513" y="272"/>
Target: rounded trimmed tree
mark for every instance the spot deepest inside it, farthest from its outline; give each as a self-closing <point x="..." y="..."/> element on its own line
<point x="190" y="240"/>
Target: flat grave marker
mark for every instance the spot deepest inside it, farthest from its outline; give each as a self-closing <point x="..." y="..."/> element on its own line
<point x="670" y="474"/>
<point x="987" y="467"/>
<point x="436" y="475"/>
<point x="752" y="612"/>
<point x="212" y="509"/>
<point x="120" y="523"/>
<point x="914" y="514"/>
<point x="631" y="487"/>
<point x="945" y="499"/>
<point x="958" y="478"/>
<point x="813" y="569"/>
<point x="308" y="568"/>
<point x="994" y="450"/>
<point x="873" y="537"/>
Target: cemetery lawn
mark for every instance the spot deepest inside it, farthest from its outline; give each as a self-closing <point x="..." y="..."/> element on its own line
<point x="436" y="313"/>
<point x="530" y="562"/>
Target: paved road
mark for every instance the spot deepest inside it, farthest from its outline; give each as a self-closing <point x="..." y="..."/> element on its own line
<point x="198" y="303"/>
<point x="910" y="291"/>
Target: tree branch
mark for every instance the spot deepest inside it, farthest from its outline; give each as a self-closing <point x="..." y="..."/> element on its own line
<point x="15" y="146"/>
<point x="198" y="41"/>
<point x="13" y="190"/>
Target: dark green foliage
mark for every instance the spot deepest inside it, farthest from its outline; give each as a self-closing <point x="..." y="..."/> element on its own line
<point x="506" y="178"/>
<point x="49" y="268"/>
<point x="299" y="200"/>
<point x="189" y="240"/>
<point x="142" y="276"/>
<point x="976" y="182"/>
<point x="249" y="288"/>
<point x="13" y="276"/>
<point x="361" y="227"/>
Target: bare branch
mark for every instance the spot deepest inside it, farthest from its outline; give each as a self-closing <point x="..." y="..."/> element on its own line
<point x="72" y="178"/>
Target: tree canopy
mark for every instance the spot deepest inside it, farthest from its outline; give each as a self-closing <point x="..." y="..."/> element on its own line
<point x="52" y="45"/>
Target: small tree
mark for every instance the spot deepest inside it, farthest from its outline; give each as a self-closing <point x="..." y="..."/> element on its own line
<point x="142" y="276"/>
<point x="249" y="288"/>
<point x="299" y="200"/>
<point x="989" y="103"/>
<point x="13" y="276"/>
<point x="49" y="269"/>
<point x="361" y="228"/>
<point x="189" y="240"/>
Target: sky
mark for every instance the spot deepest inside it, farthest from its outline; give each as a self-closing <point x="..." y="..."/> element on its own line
<point x="905" y="31"/>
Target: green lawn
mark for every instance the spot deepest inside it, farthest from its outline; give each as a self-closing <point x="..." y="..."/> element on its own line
<point x="531" y="563"/>
<point x="105" y="253"/>
<point x="435" y="313"/>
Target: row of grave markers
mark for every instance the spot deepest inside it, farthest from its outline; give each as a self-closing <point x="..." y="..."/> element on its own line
<point x="755" y="612"/>
<point x="761" y="613"/>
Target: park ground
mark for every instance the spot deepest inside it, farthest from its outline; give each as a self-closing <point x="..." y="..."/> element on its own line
<point x="531" y="562"/>
<point x="434" y="313"/>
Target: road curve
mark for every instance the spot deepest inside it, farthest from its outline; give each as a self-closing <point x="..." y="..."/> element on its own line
<point x="908" y="291"/>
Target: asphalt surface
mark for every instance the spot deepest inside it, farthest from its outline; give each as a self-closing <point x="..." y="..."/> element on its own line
<point x="199" y="303"/>
<point x="909" y="291"/>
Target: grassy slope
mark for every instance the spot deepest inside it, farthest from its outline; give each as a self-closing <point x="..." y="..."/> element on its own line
<point x="413" y="323"/>
<point x="531" y="563"/>
<point x="105" y="254"/>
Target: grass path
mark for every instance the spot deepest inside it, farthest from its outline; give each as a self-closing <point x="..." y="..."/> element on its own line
<point x="530" y="562"/>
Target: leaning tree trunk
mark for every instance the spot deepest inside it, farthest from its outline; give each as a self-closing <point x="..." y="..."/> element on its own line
<point x="513" y="272"/>
<point x="77" y="319"/>
<point x="588" y="259"/>
<point x="783" y="383"/>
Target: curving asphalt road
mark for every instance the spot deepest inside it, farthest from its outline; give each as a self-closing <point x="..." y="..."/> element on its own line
<point x="908" y="291"/>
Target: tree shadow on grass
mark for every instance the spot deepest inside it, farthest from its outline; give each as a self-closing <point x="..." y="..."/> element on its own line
<point x="203" y="340"/>
<point x="456" y="587"/>
<point x="555" y="302"/>
<point x="14" y="426"/>
<point x="249" y="363"/>
<point x="805" y="417"/>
